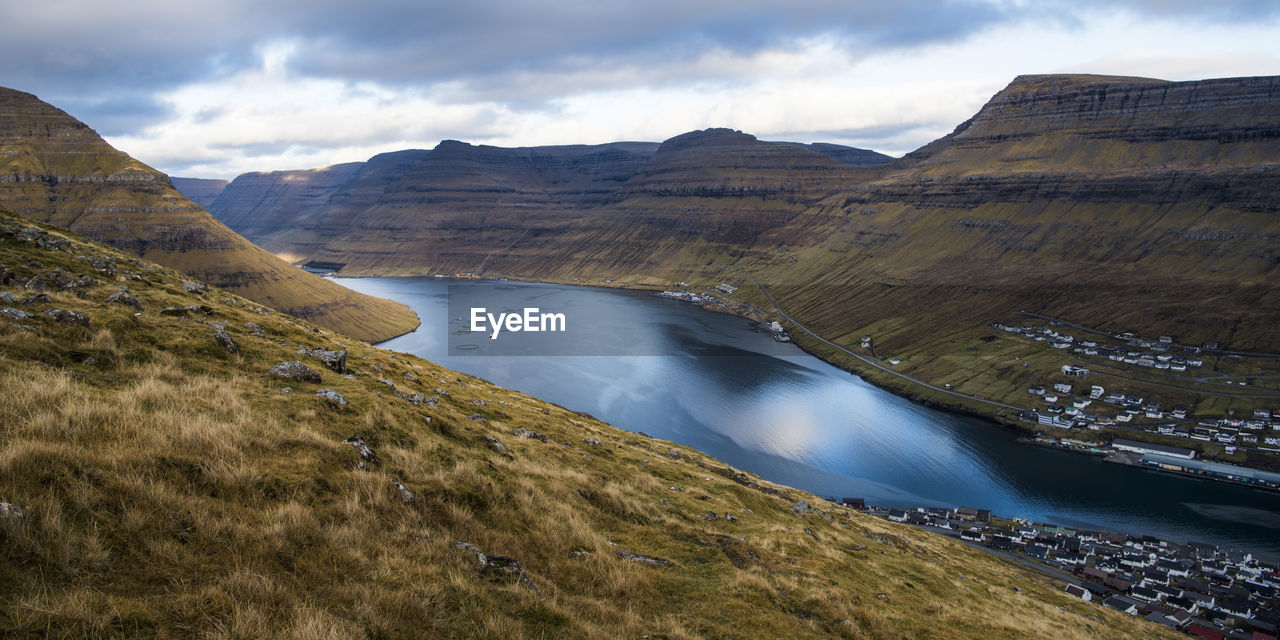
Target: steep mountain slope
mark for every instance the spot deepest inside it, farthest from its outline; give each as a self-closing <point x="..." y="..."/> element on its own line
<point x="260" y="203"/>
<point x="55" y="169"/>
<point x="202" y="191"/>
<point x="157" y="481"/>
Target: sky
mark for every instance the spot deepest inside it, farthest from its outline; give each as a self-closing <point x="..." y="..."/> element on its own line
<point x="215" y="88"/>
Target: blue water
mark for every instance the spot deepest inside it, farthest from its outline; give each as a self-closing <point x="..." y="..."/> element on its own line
<point x="731" y="391"/>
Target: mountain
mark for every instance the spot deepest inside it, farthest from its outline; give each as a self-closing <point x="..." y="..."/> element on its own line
<point x="55" y="169"/>
<point x="1123" y="204"/>
<point x="202" y="191"/>
<point x="158" y="480"/>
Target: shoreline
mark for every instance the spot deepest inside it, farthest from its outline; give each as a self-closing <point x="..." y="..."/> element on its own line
<point x="1024" y="435"/>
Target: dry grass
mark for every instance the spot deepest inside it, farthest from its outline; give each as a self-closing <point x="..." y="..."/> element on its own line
<point x="172" y="490"/>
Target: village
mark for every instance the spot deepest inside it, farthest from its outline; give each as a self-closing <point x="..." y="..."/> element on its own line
<point x="1197" y="588"/>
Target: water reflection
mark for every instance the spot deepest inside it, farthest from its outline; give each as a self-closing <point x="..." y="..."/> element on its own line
<point x="734" y="393"/>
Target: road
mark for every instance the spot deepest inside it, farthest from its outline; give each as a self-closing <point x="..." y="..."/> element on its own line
<point x="778" y="310"/>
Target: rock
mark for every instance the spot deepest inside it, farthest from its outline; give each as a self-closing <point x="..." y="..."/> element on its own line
<point x="103" y="266"/>
<point x="389" y="384"/>
<point x="294" y="370"/>
<point x="333" y="397"/>
<point x="433" y="402"/>
<point x="39" y="298"/>
<point x="255" y="330"/>
<point x="335" y="360"/>
<point x="14" y="314"/>
<point x="67" y="317"/>
<point x="182" y="311"/>
<point x="497" y="446"/>
<point x="525" y="433"/>
<point x="674" y="455"/>
<point x="730" y="517"/>
<point x="224" y="340"/>
<point x="6" y="276"/>
<point x="593" y="442"/>
<point x="636" y="557"/>
<point x="7" y="298"/>
<point x="496" y="565"/>
<point x="8" y="510"/>
<point x="811" y="533"/>
<point x="366" y="454"/>
<point x="37" y="283"/>
<point x="477" y="417"/>
<point x="710" y="515"/>
<point x="286" y="389"/>
<point x="802" y="507"/>
<point x="124" y="297"/>
<point x="406" y="496"/>
<point x="410" y="377"/>
<point x="415" y="399"/>
<point x="191" y="286"/>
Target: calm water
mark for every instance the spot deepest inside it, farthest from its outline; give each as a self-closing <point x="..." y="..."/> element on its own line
<point x="732" y="392"/>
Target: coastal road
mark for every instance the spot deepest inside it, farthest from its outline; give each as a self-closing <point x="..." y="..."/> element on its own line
<point x="868" y="361"/>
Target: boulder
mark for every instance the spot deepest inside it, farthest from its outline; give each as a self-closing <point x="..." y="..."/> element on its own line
<point x="124" y="297"/>
<point x="14" y="314"/>
<point x="39" y="298"/>
<point x="366" y="454"/>
<point x="294" y="370"/>
<point x="593" y="442"/>
<point x="191" y="286"/>
<point x="495" y="445"/>
<point x="406" y="496"/>
<point x="636" y="557"/>
<point x="224" y="340"/>
<point x="7" y="298"/>
<point x="335" y="360"/>
<point x="525" y="433"/>
<point x="67" y="317"/>
<point x="333" y="397"/>
<point x="255" y="330"/>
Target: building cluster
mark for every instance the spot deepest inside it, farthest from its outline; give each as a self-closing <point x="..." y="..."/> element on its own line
<point x="1194" y="587"/>
<point x="1161" y="353"/>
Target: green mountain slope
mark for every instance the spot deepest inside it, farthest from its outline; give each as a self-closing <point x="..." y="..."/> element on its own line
<point x="55" y="169"/>
<point x="158" y="484"/>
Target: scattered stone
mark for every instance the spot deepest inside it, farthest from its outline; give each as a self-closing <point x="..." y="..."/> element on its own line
<point x="332" y="396"/>
<point x="415" y="399"/>
<point x="224" y="340"/>
<point x="39" y="298"/>
<point x="6" y="276"/>
<point x="433" y="402"/>
<point x="674" y="455"/>
<point x="286" y="389"/>
<point x="90" y="361"/>
<point x="497" y="446"/>
<point x="8" y="510"/>
<point x="389" y="384"/>
<point x="882" y="596"/>
<point x="182" y="311"/>
<point x="496" y="565"/>
<point x="730" y="517"/>
<point x="593" y="442"/>
<point x="37" y="283"/>
<point x="680" y="489"/>
<point x="636" y="557"/>
<point x="525" y="433"/>
<point x="406" y="496"/>
<point x="410" y="377"/>
<point x="483" y="404"/>
<point x="67" y="317"/>
<point x="7" y="298"/>
<point x="710" y="515"/>
<point x="15" y="314"/>
<point x="104" y="267"/>
<point x="811" y="533"/>
<point x="255" y="330"/>
<point x="335" y="360"/>
<point x="349" y="377"/>
<point x="191" y="286"/>
<point x="476" y="417"/>
<point x="294" y="370"/>
<point x="124" y="297"/>
<point x="366" y="455"/>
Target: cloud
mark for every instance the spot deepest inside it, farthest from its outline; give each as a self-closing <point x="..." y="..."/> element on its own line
<point x="222" y="86"/>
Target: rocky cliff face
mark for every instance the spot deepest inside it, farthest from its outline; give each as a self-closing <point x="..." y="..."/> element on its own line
<point x="202" y="191"/>
<point x="1115" y="201"/>
<point x="56" y="170"/>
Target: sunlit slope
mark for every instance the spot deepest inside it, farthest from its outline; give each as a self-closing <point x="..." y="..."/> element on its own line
<point x="55" y="169"/>
<point x="158" y="484"/>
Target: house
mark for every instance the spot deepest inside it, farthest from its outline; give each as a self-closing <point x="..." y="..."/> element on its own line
<point x="854" y="503"/>
<point x="1123" y="604"/>
<point x="1062" y="387"/>
<point x="972" y="535"/>
<point x="1205" y="632"/>
<point x="898" y="515"/>
<point x="1096" y="392"/>
<point x="1079" y="592"/>
<point x="1036" y="390"/>
<point x="1144" y="594"/>
<point x="1159" y="449"/>
<point x="1237" y="607"/>
<point x="1038" y="551"/>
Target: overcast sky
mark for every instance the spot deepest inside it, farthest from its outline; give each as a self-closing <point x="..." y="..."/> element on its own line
<point x="214" y="88"/>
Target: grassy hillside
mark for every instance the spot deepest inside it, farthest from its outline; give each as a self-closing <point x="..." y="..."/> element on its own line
<point x="164" y="486"/>
<point x="57" y="170"/>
